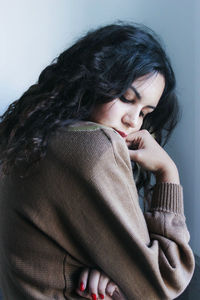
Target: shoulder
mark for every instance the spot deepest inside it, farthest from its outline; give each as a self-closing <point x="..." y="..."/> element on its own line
<point x="87" y="142"/>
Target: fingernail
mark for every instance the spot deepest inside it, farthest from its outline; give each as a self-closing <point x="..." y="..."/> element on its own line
<point x="101" y="296"/>
<point x="82" y="287"/>
<point x="94" y="297"/>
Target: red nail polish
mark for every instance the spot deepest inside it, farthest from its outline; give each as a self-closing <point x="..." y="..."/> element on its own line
<point x="94" y="297"/>
<point x="82" y="287"/>
<point x="101" y="296"/>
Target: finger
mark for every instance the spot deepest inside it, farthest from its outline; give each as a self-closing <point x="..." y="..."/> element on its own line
<point x="136" y="155"/>
<point x="84" y="294"/>
<point x="82" y="284"/>
<point x="138" y="134"/>
<point x="135" y="143"/>
<point x="137" y="138"/>
<point x="111" y="287"/>
<point x="103" y="281"/>
<point x="93" y="283"/>
<point x="81" y="290"/>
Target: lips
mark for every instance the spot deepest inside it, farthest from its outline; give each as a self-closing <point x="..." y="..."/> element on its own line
<point x="123" y="134"/>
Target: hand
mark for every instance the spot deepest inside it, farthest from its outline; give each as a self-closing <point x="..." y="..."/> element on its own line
<point x="144" y="150"/>
<point x="95" y="285"/>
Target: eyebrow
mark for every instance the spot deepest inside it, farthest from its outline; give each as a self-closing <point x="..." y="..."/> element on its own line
<point x="139" y="96"/>
<point x="135" y="91"/>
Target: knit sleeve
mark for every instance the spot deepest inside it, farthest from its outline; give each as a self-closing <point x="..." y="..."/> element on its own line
<point x="147" y="256"/>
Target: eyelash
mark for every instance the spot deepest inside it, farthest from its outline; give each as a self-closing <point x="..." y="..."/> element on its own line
<point x="123" y="99"/>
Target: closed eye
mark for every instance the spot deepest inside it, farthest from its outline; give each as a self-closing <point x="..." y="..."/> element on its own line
<point x="142" y="114"/>
<point x="123" y="99"/>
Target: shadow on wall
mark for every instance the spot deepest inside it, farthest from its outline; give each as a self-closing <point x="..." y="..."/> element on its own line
<point x="193" y="290"/>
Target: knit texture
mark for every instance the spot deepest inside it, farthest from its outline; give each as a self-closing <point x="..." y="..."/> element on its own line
<point x="168" y="197"/>
<point x="79" y="208"/>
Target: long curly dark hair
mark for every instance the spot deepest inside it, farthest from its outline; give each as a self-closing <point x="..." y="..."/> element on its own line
<point x="98" y="68"/>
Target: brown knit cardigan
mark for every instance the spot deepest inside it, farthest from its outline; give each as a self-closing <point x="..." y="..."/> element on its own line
<point x="79" y="207"/>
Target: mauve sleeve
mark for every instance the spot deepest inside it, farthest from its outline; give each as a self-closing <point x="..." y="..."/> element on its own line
<point x="147" y="256"/>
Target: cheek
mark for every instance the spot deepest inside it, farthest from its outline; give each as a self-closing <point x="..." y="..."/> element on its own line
<point x="110" y="112"/>
<point x="106" y="113"/>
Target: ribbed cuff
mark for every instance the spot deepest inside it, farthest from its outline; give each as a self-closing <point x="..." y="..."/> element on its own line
<point x="167" y="197"/>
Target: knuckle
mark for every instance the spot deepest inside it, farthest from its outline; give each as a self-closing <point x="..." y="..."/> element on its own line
<point x="95" y="272"/>
<point x="110" y="287"/>
<point x="111" y="284"/>
<point x="84" y="272"/>
<point x="104" y="277"/>
<point x="144" y="131"/>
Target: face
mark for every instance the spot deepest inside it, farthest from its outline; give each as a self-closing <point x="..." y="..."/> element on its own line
<point x="140" y="99"/>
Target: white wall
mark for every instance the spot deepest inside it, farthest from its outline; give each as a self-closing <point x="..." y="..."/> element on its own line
<point x="32" y="33"/>
<point x="35" y="31"/>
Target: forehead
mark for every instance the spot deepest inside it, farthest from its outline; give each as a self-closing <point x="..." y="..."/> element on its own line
<point x="148" y="88"/>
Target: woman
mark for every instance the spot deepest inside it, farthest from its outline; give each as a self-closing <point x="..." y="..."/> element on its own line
<point x="69" y="201"/>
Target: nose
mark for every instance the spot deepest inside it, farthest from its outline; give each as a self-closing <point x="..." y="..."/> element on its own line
<point x="131" y="119"/>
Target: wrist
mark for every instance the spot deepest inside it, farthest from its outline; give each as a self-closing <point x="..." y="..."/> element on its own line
<point x="168" y="174"/>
